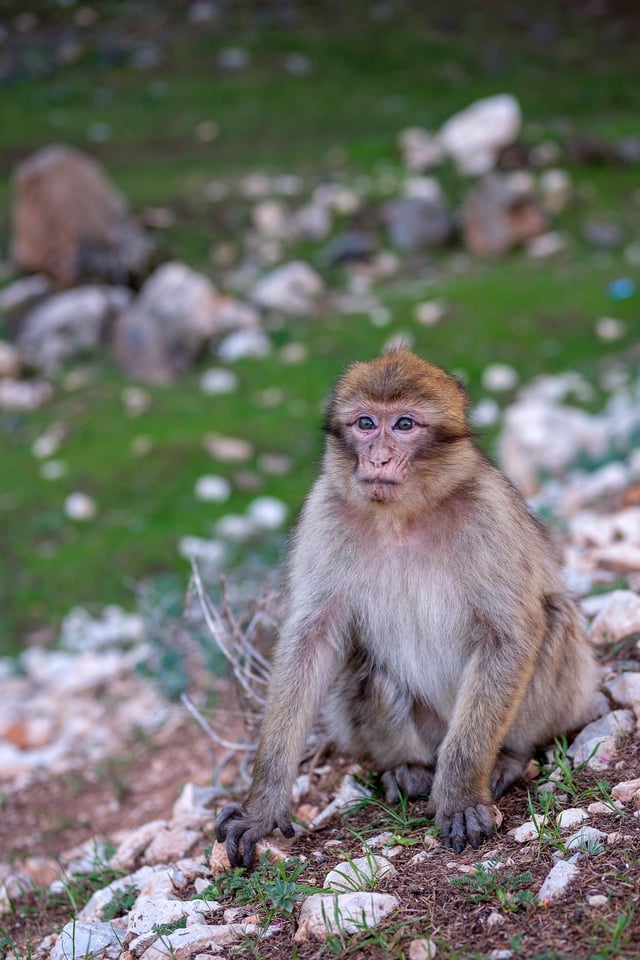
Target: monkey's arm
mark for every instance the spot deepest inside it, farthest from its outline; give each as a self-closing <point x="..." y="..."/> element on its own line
<point x="492" y="688"/>
<point x="304" y="664"/>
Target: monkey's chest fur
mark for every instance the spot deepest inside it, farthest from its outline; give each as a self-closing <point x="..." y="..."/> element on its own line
<point x="399" y="676"/>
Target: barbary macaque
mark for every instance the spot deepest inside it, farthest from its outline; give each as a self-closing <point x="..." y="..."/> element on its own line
<point x="426" y="614"/>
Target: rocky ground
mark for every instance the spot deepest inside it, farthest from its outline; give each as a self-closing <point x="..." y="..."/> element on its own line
<point x="107" y="804"/>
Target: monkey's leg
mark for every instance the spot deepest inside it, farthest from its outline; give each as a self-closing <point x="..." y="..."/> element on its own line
<point x="412" y="779"/>
<point x="509" y="767"/>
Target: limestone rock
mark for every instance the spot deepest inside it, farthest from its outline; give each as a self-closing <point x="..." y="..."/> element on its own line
<point x="148" y="912"/>
<point x="292" y="288"/>
<point x="322" y="915"/>
<point x="198" y="938"/>
<point x="359" y="874"/>
<point x="626" y="790"/>
<point x="70" y="223"/>
<point x="85" y="941"/>
<point x="475" y="135"/>
<point x="557" y="881"/>
<point x="168" y="325"/>
<point x="498" y="216"/>
<point x="625" y="689"/>
<point x="618" y="617"/>
<point x="417" y="223"/>
<point x="69" y="324"/>
<point x="597" y="743"/>
<point x="571" y="817"/>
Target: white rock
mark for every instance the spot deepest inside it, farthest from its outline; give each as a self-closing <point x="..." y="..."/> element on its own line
<point x="92" y="911"/>
<point x="213" y="488"/>
<point x="135" y="843"/>
<point x="430" y="312"/>
<point x="557" y="881"/>
<point x="587" y="839"/>
<point x="194" y="801"/>
<point x="24" y="394"/>
<point x="420" y="149"/>
<point x="115" y="626"/>
<point x="529" y="830"/>
<point x="608" y="328"/>
<point x="217" y="380"/>
<point x="10" y="364"/>
<point x="135" y="400"/>
<point x="292" y="289"/>
<point x="200" y="938"/>
<point x="571" y="817"/>
<point x="244" y="343"/>
<point x="267" y="513"/>
<point x="546" y="245"/>
<point x="348" y="794"/>
<point x="149" y="911"/>
<point x="486" y="412"/>
<point x="626" y="790"/>
<point x="625" y="689"/>
<point x="80" y="506"/>
<point x="499" y="377"/>
<point x="362" y="873"/>
<point x="235" y="527"/>
<point x="322" y="915"/>
<point x="211" y="553"/>
<point x="474" y="136"/>
<point x="422" y="949"/>
<point x="82" y="941"/>
<point x="555" y="189"/>
<point x="596" y="743"/>
<point x="541" y="435"/>
<point x="597" y="900"/>
<point x="23" y="292"/>
<point x="619" y="616"/>
<point x="228" y="449"/>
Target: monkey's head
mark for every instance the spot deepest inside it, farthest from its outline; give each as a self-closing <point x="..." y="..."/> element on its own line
<point x="390" y="420"/>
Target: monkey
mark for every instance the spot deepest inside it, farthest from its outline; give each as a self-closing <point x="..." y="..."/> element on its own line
<point x="426" y="614"/>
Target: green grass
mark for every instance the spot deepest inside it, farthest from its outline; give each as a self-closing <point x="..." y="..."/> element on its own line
<point x="574" y="73"/>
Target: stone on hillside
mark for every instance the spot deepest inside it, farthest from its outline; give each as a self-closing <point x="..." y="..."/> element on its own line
<point x="20" y="296"/>
<point x="475" y="135"/>
<point x="150" y="911"/>
<point x="571" y="817"/>
<point x="267" y="513"/>
<point x="201" y="939"/>
<point x="69" y="325"/>
<point x="84" y="941"/>
<point x="625" y="689"/>
<point x="24" y="394"/>
<point x="597" y="743"/>
<point x="543" y="436"/>
<point x="10" y="363"/>
<point x="626" y="790"/>
<point x="417" y="223"/>
<point x="292" y="288"/>
<point x="619" y="616"/>
<point x="420" y="149"/>
<point x="70" y="223"/>
<point x="167" y="326"/>
<point x="244" y="343"/>
<point x="362" y="873"/>
<point x="587" y="839"/>
<point x="557" y="881"/>
<point x="423" y="949"/>
<point x="322" y="915"/>
<point x="499" y="213"/>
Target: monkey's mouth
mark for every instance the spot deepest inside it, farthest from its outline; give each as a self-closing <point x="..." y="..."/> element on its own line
<point x="375" y="488"/>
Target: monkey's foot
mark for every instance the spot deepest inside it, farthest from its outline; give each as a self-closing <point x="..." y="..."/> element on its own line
<point x="412" y="779"/>
<point x="242" y="831"/>
<point x="472" y="825"/>
<point x="509" y="768"/>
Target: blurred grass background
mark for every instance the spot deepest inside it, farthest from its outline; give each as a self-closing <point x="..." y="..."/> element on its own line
<point x="133" y="82"/>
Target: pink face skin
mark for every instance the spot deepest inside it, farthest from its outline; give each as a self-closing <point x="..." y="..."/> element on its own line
<point x="385" y="439"/>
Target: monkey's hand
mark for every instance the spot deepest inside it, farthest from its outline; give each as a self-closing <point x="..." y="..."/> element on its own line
<point x="241" y="829"/>
<point x="471" y="825"/>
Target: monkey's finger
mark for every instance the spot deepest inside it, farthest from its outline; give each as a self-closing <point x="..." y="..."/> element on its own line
<point x="454" y="833"/>
<point x="479" y="824"/>
<point x="230" y="812"/>
<point x="285" y="827"/>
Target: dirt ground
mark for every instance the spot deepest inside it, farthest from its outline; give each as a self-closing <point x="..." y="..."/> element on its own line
<point x="50" y="817"/>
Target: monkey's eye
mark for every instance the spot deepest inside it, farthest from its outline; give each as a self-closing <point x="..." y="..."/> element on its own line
<point x="365" y="423"/>
<point x="405" y="423"/>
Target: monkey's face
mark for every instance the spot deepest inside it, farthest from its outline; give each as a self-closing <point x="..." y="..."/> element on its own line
<point x="385" y="440"/>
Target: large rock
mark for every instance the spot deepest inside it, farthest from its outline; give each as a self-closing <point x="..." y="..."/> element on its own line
<point x="416" y="223"/>
<point x="70" y="222"/>
<point x="176" y="313"/>
<point x="499" y="213"/>
<point x="292" y="288"/>
<point x="69" y="324"/>
<point x="474" y="136"/>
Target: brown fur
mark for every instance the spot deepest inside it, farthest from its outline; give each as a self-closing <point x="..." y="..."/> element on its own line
<point x="427" y="615"/>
